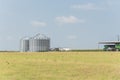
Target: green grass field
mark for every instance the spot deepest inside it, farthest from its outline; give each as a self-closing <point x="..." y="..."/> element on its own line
<point x="60" y="66"/>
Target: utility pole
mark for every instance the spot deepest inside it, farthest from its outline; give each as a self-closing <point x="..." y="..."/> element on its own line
<point x="118" y="38"/>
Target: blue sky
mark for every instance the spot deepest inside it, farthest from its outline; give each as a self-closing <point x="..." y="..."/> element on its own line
<point x="77" y="24"/>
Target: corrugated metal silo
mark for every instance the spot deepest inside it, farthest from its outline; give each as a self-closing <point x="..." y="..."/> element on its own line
<point x="39" y="43"/>
<point x="24" y="45"/>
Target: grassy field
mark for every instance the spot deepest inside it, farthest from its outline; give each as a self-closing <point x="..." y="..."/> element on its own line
<point x="60" y="66"/>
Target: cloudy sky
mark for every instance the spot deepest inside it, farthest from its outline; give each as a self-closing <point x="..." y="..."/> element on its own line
<point x="69" y="23"/>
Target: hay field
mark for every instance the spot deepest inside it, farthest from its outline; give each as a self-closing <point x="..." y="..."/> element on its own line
<point x="60" y="66"/>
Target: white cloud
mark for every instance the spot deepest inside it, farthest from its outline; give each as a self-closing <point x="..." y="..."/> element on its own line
<point x="88" y="6"/>
<point x="38" y="23"/>
<point x="69" y="19"/>
<point x="72" y="37"/>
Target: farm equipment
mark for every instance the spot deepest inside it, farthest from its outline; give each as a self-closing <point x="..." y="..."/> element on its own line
<point x="111" y="46"/>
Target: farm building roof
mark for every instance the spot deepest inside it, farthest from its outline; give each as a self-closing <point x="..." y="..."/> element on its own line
<point x="110" y="42"/>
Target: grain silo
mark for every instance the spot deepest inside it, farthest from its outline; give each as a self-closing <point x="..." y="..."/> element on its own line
<point x="24" y="44"/>
<point x="39" y="43"/>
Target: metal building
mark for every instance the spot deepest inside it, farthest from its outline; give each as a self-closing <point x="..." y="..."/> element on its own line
<point x="39" y="43"/>
<point x="24" y="45"/>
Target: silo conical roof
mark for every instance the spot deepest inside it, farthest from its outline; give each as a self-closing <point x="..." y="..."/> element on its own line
<point x="40" y="36"/>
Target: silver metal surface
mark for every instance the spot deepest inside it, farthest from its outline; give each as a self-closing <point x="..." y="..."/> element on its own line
<point x="24" y="45"/>
<point x="39" y="43"/>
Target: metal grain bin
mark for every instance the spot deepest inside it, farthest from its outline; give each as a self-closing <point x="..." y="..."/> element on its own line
<point x="24" y="45"/>
<point x="39" y="43"/>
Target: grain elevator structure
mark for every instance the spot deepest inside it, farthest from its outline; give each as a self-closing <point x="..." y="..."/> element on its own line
<point x="24" y="44"/>
<point x="38" y="43"/>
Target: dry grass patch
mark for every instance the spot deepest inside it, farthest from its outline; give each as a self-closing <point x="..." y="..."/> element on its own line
<point x="60" y="66"/>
